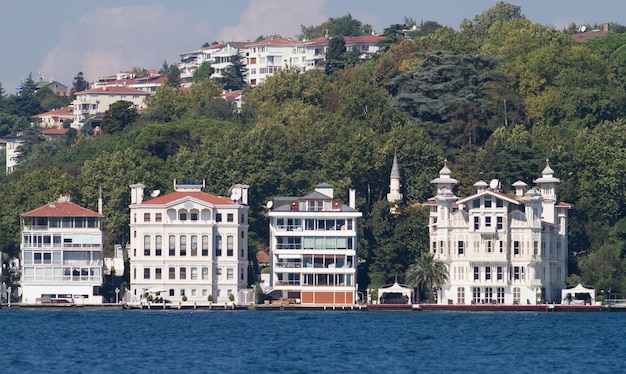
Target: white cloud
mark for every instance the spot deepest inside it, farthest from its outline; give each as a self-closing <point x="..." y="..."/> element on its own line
<point x="109" y="40"/>
<point x="282" y="17"/>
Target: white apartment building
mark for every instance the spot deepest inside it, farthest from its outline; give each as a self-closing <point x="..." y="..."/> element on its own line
<point x="11" y="153"/>
<point x="500" y="248"/>
<point x="62" y="254"/>
<point x="219" y="55"/>
<point x="313" y="248"/>
<point x="268" y="56"/>
<point x="90" y="102"/>
<point x="189" y="243"/>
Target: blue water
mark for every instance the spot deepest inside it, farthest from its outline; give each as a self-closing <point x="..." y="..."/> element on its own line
<point x="81" y="341"/>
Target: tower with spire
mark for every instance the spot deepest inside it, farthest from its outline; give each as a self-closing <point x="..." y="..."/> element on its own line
<point x="394" y="194"/>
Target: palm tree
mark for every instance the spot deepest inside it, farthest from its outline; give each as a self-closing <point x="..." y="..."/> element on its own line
<point x="426" y="273"/>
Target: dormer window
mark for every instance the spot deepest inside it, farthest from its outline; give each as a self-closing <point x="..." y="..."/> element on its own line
<point x="182" y="215"/>
<point x="487" y="202"/>
<point x="476" y="203"/>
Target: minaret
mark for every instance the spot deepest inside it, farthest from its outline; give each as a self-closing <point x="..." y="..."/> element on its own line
<point x="394" y="194"/>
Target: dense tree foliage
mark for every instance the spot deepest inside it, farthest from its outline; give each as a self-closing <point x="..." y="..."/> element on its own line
<point x="495" y="98"/>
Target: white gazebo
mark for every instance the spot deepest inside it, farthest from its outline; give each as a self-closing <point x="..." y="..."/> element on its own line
<point x="577" y="295"/>
<point x="398" y="290"/>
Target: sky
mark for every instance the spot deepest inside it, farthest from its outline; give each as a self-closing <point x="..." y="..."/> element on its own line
<point x="58" y="39"/>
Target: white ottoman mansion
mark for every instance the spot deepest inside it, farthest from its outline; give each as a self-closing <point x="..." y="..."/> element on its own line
<point x="189" y="244"/>
<point x="498" y="248"/>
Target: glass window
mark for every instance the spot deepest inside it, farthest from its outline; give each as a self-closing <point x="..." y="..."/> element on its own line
<point x="205" y="245"/>
<point x="172" y="246"/>
<point x="218" y="245"/>
<point x="487" y="272"/>
<point x="194" y="216"/>
<point x="172" y="272"/>
<point x="218" y="217"/>
<point x="157" y="273"/>
<point x="146" y="245"/>
<point x="194" y="245"/>
<point x="230" y="217"/>
<point x="461" y="247"/>
<point x="157" y="217"/>
<point x="487" y="202"/>
<point x="205" y="273"/>
<point x="182" y="273"/>
<point x="194" y="273"/>
<point x="146" y="217"/>
<point x="146" y="273"/>
<point x="158" y="245"/>
<point x="229" y="273"/>
<point x="183" y="245"/>
<point x="182" y="215"/>
<point x="476" y="273"/>
<point x="229" y="245"/>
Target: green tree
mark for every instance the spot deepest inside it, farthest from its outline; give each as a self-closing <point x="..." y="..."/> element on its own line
<point x="120" y="115"/>
<point x="79" y="84"/>
<point x="427" y="274"/>
<point x="335" y="27"/>
<point x="204" y="71"/>
<point x="173" y="74"/>
<point x="233" y="77"/>
<point x="476" y="29"/>
<point x="335" y="55"/>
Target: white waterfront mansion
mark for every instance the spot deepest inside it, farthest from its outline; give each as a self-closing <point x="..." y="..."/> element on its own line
<point x="313" y="248"/>
<point x="189" y="244"/>
<point x="62" y="254"/>
<point x="500" y="248"/>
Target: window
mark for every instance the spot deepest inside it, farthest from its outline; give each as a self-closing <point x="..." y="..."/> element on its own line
<point x="487" y="221"/>
<point x="476" y="273"/>
<point x="476" y="203"/>
<point x="172" y="272"/>
<point x="218" y="273"/>
<point x="516" y="247"/>
<point x="475" y="295"/>
<point x="536" y="247"/>
<point x="146" y="273"/>
<point x="194" y="273"/>
<point x="218" y="246"/>
<point x="476" y="223"/>
<point x="146" y="245"/>
<point x="499" y="273"/>
<point x="499" y="203"/>
<point x="205" y="273"/>
<point x="230" y="217"/>
<point x="218" y="217"/>
<point x="461" y="247"/>
<point x="501" y="246"/>
<point x="487" y="202"/>
<point x="158" y="245"/>
<point x="434" y="247"/>
<point x="243" y="234"/>
<point x="182" y="215"/>
<point x="146" y="217"/>
<point x="500" y="295"/>
<point x="205" y="245"/>
<point x="489" y="248"/>
<point x="229" y="273"/>
<point x="157" y="273"/>
<point x="229" y="245"/>
<point x="194" y="245"/>
<point x="460" y="295"/>
<point x="488" y="294"/>
<point x="194" y="216"/>
<point x="499" y="223"/>
<point x="516" y="295"/>
<point x="172" y="251"/>
<point x="516" y="272"/>
<point x="157" y="217"/>
<point x="487" y="272"/>
<point x="183" y="245"/>
<point x="182" y="273"/>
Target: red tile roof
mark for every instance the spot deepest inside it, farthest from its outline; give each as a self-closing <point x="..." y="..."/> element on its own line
<point x="65" y="111"/>
<point x="61" y="209"/>
<point x="232" y="95"/>
<point x="113" y="90"/>
<point x="362" y="39"/>
<point x="178" y="195"/>
<point x="52" y="132"/>
<point x="275" y="41"/>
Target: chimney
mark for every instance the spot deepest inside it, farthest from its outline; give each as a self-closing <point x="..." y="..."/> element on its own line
<point x="352" y="198"/>
<point x="136" y="193"/>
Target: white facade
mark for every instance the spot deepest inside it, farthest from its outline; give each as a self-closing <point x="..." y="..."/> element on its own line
<point x="62" y="254"/>
<point x="11" y="152"/>
<point x="313" y="248"/>
<point x="189" y="242"/>
<point x="219" y="55"/>
<point x="90" y="102"/>
<point x="500" y="248"/>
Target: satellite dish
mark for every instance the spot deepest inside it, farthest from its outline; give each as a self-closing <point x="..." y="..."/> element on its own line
<point x="235" y="194"/>
<point x="583" y="28"/>
<point x="494" y="184"/>
<point x="269" y="204"/>
<point x="155" y="193"/>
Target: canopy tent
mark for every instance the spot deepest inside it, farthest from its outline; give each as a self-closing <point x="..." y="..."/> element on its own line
<point x="156" y="290"/>
<point x="578" y="295"/>
<point x="394" y="294"/>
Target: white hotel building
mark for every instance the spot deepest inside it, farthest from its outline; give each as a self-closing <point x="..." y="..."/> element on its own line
<point x="500" y="248"/>
<point x="189" y="243"/>
<point x="62" y="254"/>
<point x="313" y="248"/>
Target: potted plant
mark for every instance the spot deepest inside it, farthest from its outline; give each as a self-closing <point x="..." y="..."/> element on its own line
<point x="184" y="297"/>
<point x="210" y="298"/>
<point x="231" y="297"/>
<point x="150" y="297"/>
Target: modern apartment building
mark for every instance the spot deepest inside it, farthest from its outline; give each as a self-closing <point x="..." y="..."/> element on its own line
<point x="313" y="248"/>
<point x="62" y="254"/>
